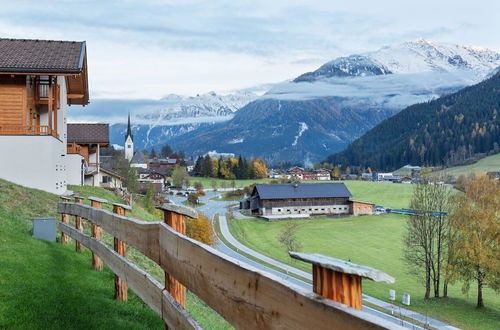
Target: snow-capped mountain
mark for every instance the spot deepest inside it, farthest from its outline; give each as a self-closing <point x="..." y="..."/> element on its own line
<point x="156" y="122"/>
<point x="321" y="112"/>
<point x="415" y="56"/>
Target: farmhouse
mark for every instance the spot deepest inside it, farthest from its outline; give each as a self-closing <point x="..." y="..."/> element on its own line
<point x="296" y="200"/>
<point x="39" y="80"/>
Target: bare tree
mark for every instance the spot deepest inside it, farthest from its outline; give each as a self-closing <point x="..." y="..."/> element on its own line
<point x="288" y="238"/>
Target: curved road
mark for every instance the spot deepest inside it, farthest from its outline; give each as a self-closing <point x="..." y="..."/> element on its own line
<point x="213" y="207"/>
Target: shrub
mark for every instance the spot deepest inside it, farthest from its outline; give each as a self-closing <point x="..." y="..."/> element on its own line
<point x="200" y="229"/>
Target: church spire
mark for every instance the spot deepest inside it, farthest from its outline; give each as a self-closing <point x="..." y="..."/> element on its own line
<point x="129" y="130"/>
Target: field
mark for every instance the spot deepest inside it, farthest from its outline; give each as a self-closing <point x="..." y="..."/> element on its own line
<point x="487" y="164"/>
<point x="47" y="285"/>
<point x="374" y="241"/>
<point x="381" y="193"/>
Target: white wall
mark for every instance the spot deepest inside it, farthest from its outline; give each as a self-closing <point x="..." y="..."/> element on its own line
<point x="322" y="209"/>
<point x="129" y="149"/>
<point x="34" y="161"/>
<point x="74" y="169"/>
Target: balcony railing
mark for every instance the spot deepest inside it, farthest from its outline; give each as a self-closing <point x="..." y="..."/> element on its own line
<point x="26" y="130"/>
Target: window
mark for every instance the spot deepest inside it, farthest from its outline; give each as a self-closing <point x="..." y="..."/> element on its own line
<point x="129" y="146"/>
<point x="279" y="210"/>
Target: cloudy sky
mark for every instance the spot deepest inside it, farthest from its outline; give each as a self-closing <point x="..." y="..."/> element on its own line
<point x="147" y="49"/>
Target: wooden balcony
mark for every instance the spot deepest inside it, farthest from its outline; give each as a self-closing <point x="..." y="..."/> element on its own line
<point x="27" y="130"/>
<point x="74" y="148"/>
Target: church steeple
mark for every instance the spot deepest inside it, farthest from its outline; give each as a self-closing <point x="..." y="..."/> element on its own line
<point x="129" y="142"/>
<point x="129" y="130"/>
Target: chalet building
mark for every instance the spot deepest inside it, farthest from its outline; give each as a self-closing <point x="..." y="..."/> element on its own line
<point x="169" y="162"/>
<point x="323" y="175"/>
<point x="296" y="173"/>
<point x="39" y="81"/>
<point x="303" y="200"/>
<point x="84" y="147"/>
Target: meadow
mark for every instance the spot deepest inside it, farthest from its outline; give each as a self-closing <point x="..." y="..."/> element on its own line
<point x="374" y="241"/>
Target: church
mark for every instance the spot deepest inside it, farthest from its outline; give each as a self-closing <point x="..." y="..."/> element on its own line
<point x="129" y="142"/>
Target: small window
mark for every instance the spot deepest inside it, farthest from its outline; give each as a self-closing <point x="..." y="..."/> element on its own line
<point x="279" y="210"/>
<point x="129" y="146"/>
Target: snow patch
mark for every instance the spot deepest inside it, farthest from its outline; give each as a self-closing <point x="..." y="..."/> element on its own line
<point x="235" y="141"/>
<point x="303" y="127"/>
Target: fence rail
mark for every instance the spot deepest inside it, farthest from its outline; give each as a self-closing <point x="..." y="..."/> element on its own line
<point x="245" y="296"/>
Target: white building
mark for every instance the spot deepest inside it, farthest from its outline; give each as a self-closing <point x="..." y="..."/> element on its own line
<point x="129" y="142"/>
<point x="39" y="81"/>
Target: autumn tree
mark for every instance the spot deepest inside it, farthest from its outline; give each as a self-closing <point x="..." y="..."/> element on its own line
<point x="260" y="168"/>
<point x="200" y="229"/>
<point x="193" y="199"/>
<point x="476" y="224"/>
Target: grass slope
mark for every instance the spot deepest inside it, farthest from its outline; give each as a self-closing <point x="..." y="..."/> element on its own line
<point x="487" y="164"/>
<point x="375" y="241"/>
<point x="48" y="285"/>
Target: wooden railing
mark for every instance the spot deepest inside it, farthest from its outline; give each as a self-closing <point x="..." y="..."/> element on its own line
<point x="246" y="297"/>
<point x="25" y="130"/>
<point x="73" y="148"/>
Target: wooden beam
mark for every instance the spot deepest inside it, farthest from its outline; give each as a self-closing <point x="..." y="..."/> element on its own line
<point x="120" y="247"/>
<point x="75" y="96"/>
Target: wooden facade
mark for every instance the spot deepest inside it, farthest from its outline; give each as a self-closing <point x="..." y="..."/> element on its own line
<point x="25" y="100"/>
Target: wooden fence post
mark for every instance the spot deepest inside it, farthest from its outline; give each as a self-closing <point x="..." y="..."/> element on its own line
<point x="340" y="280"/>
<point x="64" y="219"/>
<point x="173" y="216"/>
<point x="120" y="248"/>
<point x="78" y="225"/>
<point x="96" y="231"/>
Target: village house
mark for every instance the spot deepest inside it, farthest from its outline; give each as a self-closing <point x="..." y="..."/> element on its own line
<point x="110" y="179"/>
<point x="296" y="173"/>
<point x="323" y="175"/>
<point x="169" y="162"/>
<point x="39" y="81"/>
<point x="274" y="201"/>
<point x="84" y="148"/>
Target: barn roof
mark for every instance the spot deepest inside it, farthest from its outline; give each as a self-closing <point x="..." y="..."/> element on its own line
<point x="88" y="133"/>
<point x="301" y="190"/>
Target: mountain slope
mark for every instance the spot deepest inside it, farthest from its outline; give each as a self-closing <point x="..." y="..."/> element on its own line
<point x="437" y="132"/>
<point x="322" y="111"/>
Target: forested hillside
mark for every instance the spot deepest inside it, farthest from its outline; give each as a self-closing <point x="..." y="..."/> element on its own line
<point x="445" y="131"/>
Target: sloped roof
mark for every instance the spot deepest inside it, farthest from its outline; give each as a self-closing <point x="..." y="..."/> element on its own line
<point x="41" y="56"/>
<point x="88" y="133"/>
<point x="138" y="158"/>
<point x="301" y="190"/>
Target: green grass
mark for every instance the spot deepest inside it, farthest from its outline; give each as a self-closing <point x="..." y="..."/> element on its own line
<point x="374" y="241"/>
<point x="394" y="195"/>
<point x="487" y="164"/>
<point x="48" y="285"/>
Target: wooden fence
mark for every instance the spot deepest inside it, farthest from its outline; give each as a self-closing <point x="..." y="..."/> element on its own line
<point x="246" y="297"/>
